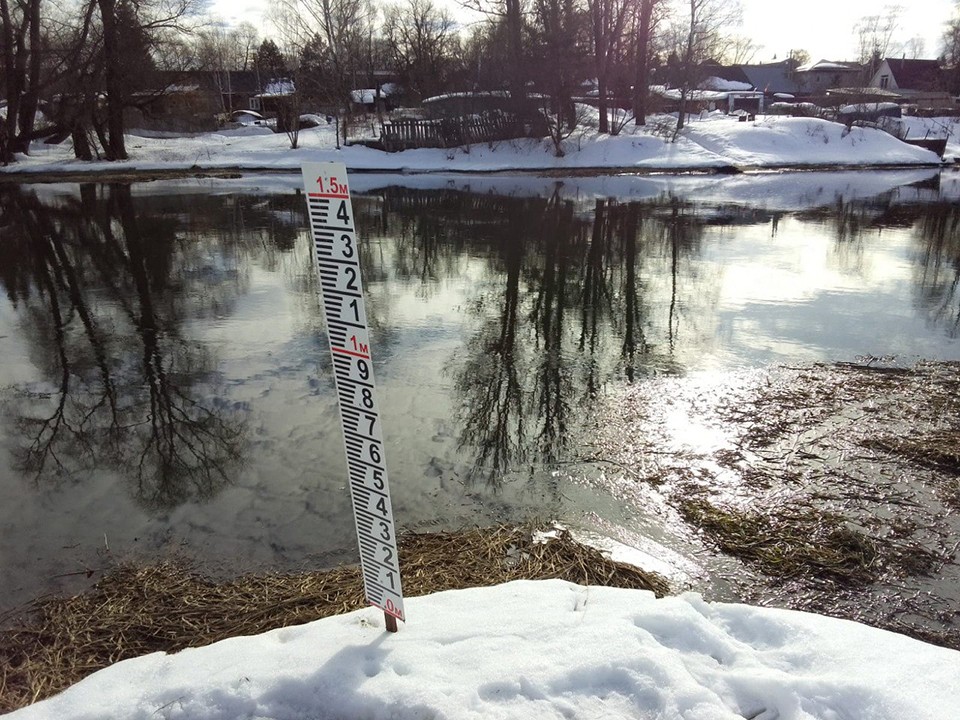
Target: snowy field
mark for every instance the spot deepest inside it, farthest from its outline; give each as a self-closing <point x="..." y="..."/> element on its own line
<point x="714" y="141"/>
<point x="547" y="649"/>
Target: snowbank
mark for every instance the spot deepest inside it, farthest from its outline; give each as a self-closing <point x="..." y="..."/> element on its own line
<point x="797" y="141"/>
<point x="546" y="649"/>
<point x="714" y="141"/>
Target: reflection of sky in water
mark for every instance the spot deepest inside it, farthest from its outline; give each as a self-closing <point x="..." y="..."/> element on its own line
<point x="736" y="295"/>
<point x="797" y="296"/>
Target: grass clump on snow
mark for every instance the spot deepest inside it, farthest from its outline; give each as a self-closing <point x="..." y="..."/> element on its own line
<point x="135" y="610"/>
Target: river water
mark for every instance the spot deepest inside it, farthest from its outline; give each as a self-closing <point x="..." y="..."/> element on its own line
<point x="166" y="385"/>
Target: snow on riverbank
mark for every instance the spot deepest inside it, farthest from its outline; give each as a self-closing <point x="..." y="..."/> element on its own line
<point x="716" y="141"/>
<point x="547" y="649"/>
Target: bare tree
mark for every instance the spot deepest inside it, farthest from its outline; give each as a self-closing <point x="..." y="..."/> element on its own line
<point x="798" y="57"/>
<point x="559" y="50"/>
<point x="510" y="20"/>
<point x="739" y="50"/>
<point x="342" y="25"/>
<point x="421" y="37"/>
<point x="20" y="43"/>
<point x="874" y="35"/>
<point x="914" y="48"/>
<point x="223" y="51"/>
<point x="244" y="37"/>
<point x="951" y="49"/>
<point x="649" y="13"/>
<point x="110" y="38"/>
<point x="607" y="19"/>
<point x="703" y="33"/>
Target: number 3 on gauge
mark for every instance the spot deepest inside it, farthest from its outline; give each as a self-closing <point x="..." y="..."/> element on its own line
<point x="384" y="531"/>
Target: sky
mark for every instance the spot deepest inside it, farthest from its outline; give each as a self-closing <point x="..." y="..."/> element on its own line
<point x="549" y="650"/>
<point x="824" y="28"/>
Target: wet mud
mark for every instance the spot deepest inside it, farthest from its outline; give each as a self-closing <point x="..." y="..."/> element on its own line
<point x="834" y="487"/>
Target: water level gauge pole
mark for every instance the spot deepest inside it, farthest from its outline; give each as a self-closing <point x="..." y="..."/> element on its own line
<point x="337" y="258"/>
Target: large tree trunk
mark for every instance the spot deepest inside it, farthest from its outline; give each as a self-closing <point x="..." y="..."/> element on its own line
<point x="598" y="11"/>
<point x="642" y="79"/>
<point x="115" y="148"/>
<point x="518" y="90"/>
<point x="31" y="96"/>
<point x="687" y="69"/>
<point x="13" y="83"/>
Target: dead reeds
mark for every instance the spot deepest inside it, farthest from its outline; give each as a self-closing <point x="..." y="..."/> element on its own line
<point x="790" y="542"/>
<point x="135" y="610"/>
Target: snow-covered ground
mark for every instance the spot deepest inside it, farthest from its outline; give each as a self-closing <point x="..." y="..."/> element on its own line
<point x="714" y="141"/>
<point x="537" y="649"/>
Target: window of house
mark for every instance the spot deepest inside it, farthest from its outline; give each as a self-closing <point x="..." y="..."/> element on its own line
<point x="884" y="81"/>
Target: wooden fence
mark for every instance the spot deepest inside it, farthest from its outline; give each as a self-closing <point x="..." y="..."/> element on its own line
<point x="454" y="132"/>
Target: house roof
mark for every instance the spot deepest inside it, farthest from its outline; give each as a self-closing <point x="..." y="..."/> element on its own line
<point x="733" y="73"/>
<point x="863" y="92"/>
<point x="717" y="83"/>
<point x="704" y="95"/>
<point x="915" y="74"/>
<point x="235" y="81"/>
<point x="772" y="77"/>
<point x="829" y="66"/>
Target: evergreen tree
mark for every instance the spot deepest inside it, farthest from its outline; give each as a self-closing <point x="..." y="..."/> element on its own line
<point x="269" y="63"/>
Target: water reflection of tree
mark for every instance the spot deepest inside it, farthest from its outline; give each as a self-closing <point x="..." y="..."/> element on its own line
<point x="430" y="234"/>
<point x="567" y="303"/>
<point x="92" y="276"/>
<point x="938" y="268"/>
<point x="492" y="403"/>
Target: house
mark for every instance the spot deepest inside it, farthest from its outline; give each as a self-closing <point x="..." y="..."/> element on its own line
<point x="235" y="87"/>
<point x="915" y="82"/>
<point x="459" y="104"/>
<point x="816" y="78"/>
<point x="775" y="78"/>
<point x="729" y="98"/>
<point x="190" y="100"/>
<point x="278" y="94"/>
<point x="382" y="99"/>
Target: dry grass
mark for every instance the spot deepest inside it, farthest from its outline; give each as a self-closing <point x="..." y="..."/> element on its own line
<point x="138" y="610"/>
<point x="937" y="450"/>
<point x="789" y="542"/>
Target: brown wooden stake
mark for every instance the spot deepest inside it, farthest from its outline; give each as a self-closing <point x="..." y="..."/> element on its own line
<point x="390" y="621"/>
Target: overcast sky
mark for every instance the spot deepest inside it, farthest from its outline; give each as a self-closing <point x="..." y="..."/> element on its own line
<point x="824" y="28"/>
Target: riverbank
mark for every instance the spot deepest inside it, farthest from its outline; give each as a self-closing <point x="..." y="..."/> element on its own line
<point x="715" y="143"/>
<point x="139" y="609"/>
<point x="546" y="649"/>
<point x="835" y="486"/>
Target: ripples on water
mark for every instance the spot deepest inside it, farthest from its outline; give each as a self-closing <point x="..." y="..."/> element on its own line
<point x="166" y="384"/>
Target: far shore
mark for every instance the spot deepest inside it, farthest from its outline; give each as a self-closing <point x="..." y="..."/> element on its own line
<point x="713" y="144"/>
<point x="20" y="176"/>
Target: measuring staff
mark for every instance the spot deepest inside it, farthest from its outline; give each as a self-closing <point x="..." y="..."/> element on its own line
<point x="337" y="260"/>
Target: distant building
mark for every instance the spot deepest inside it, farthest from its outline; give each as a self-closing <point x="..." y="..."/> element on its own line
<point x="276" y="96"/>
<point x="816" y="78"/>
<point x="776" y="78"/>
<point x="382" y="99"/>
<point x="191" y="100"/>
<point x="917" y="82"/>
